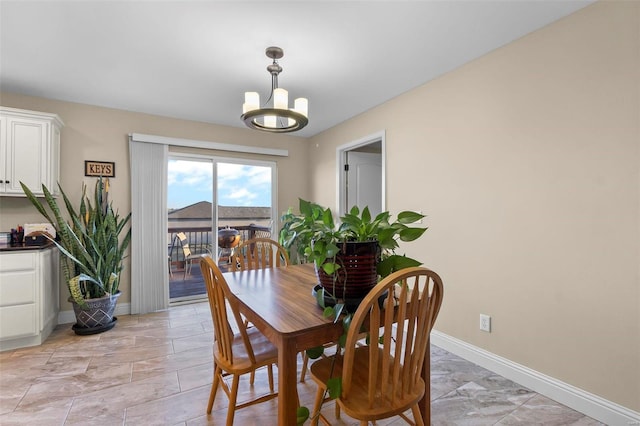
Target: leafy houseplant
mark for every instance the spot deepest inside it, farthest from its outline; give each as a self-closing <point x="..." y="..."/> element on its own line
<point x="313" y="236"/>
<point x="92" y="251"/>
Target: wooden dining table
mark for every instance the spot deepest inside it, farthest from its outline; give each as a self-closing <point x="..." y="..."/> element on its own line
<point x="279" y="302"/>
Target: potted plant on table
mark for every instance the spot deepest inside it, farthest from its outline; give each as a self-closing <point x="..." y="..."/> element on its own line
<point x="93" y="245"/>
<point x="352" y="257"/>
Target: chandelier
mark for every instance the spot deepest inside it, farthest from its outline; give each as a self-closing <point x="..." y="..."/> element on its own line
<point x="275" y="116"/>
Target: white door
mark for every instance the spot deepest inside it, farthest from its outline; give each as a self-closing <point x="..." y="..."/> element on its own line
<point x="364" y="181"/>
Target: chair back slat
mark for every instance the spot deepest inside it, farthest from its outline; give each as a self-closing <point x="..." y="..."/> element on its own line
<point x="259" y="253"/>
<point x="374" y="336"/>
<point x="412" y="319"/>
<point x="410" y="307"/>
<point x="426" y="315"/>
<point x="217" y="293"/>
<point x="401" y="316"/>
<point x="184" y="243"/>
<point x="387" y="359"/>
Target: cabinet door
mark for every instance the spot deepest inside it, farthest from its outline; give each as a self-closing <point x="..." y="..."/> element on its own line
<point x="27" y="149"/>
<point x="18" y="321"/>
<point x="19" y="295"/>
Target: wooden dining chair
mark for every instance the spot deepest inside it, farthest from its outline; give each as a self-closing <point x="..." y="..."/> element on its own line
<point x="383" y="379"/>
<point x="259" y="253"/>
<point x="234" y="354"/>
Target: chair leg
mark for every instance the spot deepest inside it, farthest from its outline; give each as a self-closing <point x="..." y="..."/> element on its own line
<point x="252" y="377"/>
<point x="317" y="403"/>
<point x="305" y="365"/>
<point x="417" y="416"/>
<point x="214" y="387"/>
<point x="270" y="377"/>
<point x="231" y="410"/>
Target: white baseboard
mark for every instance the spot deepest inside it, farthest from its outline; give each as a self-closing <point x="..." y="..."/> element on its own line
<point x="68" y="317"/>
<point x="587" y="403"/>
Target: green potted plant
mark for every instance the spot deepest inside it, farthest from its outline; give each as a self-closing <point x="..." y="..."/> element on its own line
<point x="93" y="244"/>
<point x="349" y="259"/>
<point x="352" y="257"/>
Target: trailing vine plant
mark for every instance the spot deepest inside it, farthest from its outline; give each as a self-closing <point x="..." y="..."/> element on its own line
<point x="313" y="236"/>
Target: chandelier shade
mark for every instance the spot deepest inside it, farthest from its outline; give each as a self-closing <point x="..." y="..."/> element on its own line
<point x="275" y="115"/>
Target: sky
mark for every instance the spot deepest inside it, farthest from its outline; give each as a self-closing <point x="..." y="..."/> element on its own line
<point x="238" y="185"/>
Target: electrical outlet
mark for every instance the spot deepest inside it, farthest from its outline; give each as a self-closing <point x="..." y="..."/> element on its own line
<point x="485" y="323"/>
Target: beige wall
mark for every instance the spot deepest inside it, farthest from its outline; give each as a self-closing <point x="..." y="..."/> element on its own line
<point x="527" y="163"/>
<point x="93" y="133"/>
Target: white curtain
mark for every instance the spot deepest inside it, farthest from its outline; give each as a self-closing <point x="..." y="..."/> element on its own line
<point x="149" y="273"/>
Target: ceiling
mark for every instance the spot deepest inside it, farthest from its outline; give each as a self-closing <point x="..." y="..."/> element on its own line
<point x="194" y="60"/>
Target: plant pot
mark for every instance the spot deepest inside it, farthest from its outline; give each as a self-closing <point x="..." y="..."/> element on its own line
<point x="97" y="316"/>
<point x="357" y="274"/>
<point x="350" y="304"/>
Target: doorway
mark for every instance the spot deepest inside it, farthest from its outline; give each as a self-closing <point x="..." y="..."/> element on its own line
<point x="361" y="174"/>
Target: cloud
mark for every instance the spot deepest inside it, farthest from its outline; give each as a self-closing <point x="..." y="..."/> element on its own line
<point x="241" y="194"/>
<point x="197" y="174"/>
<point x="254" y="175"/>
<point x="260" y="176"/>
<point x="238" y="184"/>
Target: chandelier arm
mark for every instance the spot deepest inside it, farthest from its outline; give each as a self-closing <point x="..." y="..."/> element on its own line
<point x="274" y="86"/>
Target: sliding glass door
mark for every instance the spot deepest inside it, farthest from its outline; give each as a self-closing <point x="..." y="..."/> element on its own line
<point x="208" y="194"/>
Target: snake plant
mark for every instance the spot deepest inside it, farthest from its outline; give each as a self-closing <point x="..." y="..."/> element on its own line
<point x="89" y="240"/>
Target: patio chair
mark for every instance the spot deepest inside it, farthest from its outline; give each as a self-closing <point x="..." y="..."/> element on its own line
<point x="383" y="379"/>
<point x="188" y="256"/>
<point x="234" y="354"/>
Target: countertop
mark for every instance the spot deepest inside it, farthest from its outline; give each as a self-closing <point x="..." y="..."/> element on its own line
<point x="24" y="247"/>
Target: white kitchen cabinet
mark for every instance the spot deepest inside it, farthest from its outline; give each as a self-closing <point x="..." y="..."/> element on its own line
<point x="29" y="151"/>
<point x="29" y="296"/>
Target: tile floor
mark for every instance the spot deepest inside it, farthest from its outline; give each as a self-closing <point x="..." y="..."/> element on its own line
<point x="156" y="369"/>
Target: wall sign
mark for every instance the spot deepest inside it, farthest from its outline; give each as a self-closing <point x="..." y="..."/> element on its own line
<point x="99" y="168"/>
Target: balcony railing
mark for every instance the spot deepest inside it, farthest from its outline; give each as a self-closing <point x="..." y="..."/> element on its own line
<point x="201" y="240"/>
